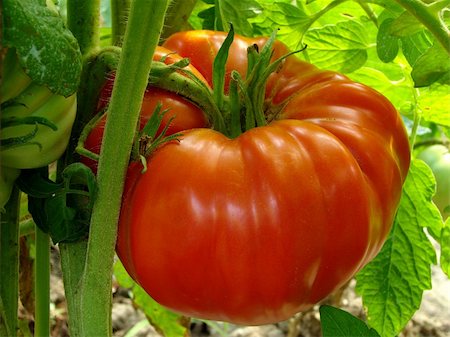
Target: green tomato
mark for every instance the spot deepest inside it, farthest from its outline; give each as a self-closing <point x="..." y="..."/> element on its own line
<point x="35" y="123"/>
<point x="438" y="158"/>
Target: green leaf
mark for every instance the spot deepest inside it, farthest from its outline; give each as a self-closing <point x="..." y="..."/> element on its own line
<point x="413" y="46"/>
<point x="445" y="248"/>
<point x="208" y="17"/>
<point x="387" y="45"/>
<point x="433" y="103"/>
<point x="431" y="66"/>
<point x="61" y="209"/>
<point x="166" y="322"/>
<point x="47" y="50"/>
<point x="225" y="12"/>
<point x="392" y="284"/>
<point x="341" y="47"/>
<point x="339" y="323"/>
<point x="238" y="13"/>
<point x="404" y="25"/>
<point x="292" y="22"/>
<point x="36" y="184"/>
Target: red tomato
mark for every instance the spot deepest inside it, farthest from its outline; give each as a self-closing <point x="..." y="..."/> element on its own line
<point x="187" y="115"/>
<point x="201" y="47"/>
<point x="254" y="229"/>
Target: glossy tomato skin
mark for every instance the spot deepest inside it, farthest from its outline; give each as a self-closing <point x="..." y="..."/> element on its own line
<point x="186" y="114"/>
<point x="254" y="229"/>
<point x="201" y="46"/>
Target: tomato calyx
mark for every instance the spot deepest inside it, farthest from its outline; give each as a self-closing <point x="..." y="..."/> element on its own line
<point x="148" y="139"/>
<point x="245" y="108"/>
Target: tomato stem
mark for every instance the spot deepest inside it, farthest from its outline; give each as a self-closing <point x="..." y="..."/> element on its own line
<point x="119" y="18"/>
<point x="83" y="19"/>
<point x="235" y="108"/>
<point x="429" y="16"/>
<point x="252" y="90"/>
<point x="144" y="24"/>
<point x="177" y="17"/>
<point x="42" y="283"/>
<point x="183" y="82"/>
<point x="9" y="265"/>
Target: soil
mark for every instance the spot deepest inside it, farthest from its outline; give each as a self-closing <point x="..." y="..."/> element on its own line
<point x="431" y="320"/>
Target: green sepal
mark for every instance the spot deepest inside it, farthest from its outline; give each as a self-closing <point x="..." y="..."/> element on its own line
<point x="147" y="140"/>
<point x="61" y="209"/>
<point x="219" y="69"/>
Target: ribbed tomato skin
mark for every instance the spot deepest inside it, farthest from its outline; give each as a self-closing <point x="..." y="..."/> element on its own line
<point x="254" y="229"/>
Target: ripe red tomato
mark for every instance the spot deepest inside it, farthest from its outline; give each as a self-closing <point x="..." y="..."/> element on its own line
<point x="186" y="114"/>
<point x="254" y="229"/>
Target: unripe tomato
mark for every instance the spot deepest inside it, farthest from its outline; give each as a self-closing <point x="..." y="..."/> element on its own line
<point x="438" y="158"/>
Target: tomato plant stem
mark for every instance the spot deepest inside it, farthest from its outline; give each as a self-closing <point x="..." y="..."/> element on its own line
<point x="73" y="256"/>
<point x="177" y="17"/>
<point x="83" y="19"/>
<point x="9" y="265"/>
<point x="119" y="18"/>
<point x="429" y="17"/>
<point x="42" y="284"/>
<point x="145" y="24"/>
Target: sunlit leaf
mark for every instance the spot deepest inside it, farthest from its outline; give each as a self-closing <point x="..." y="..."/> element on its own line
<point x="341" y="47"/>
<point x="392" y="284"/>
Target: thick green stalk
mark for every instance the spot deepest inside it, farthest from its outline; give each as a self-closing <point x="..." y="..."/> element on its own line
<point x="119" y="18"/>
<point x="42" y="284"/>
<point x="145" y="24"/>
<point x="83" y="19"/>
<point x="177" y="17"/>
<point x="429" y="17"/>
<point x="9" y="265"/>
<point x="73" y="256"/>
